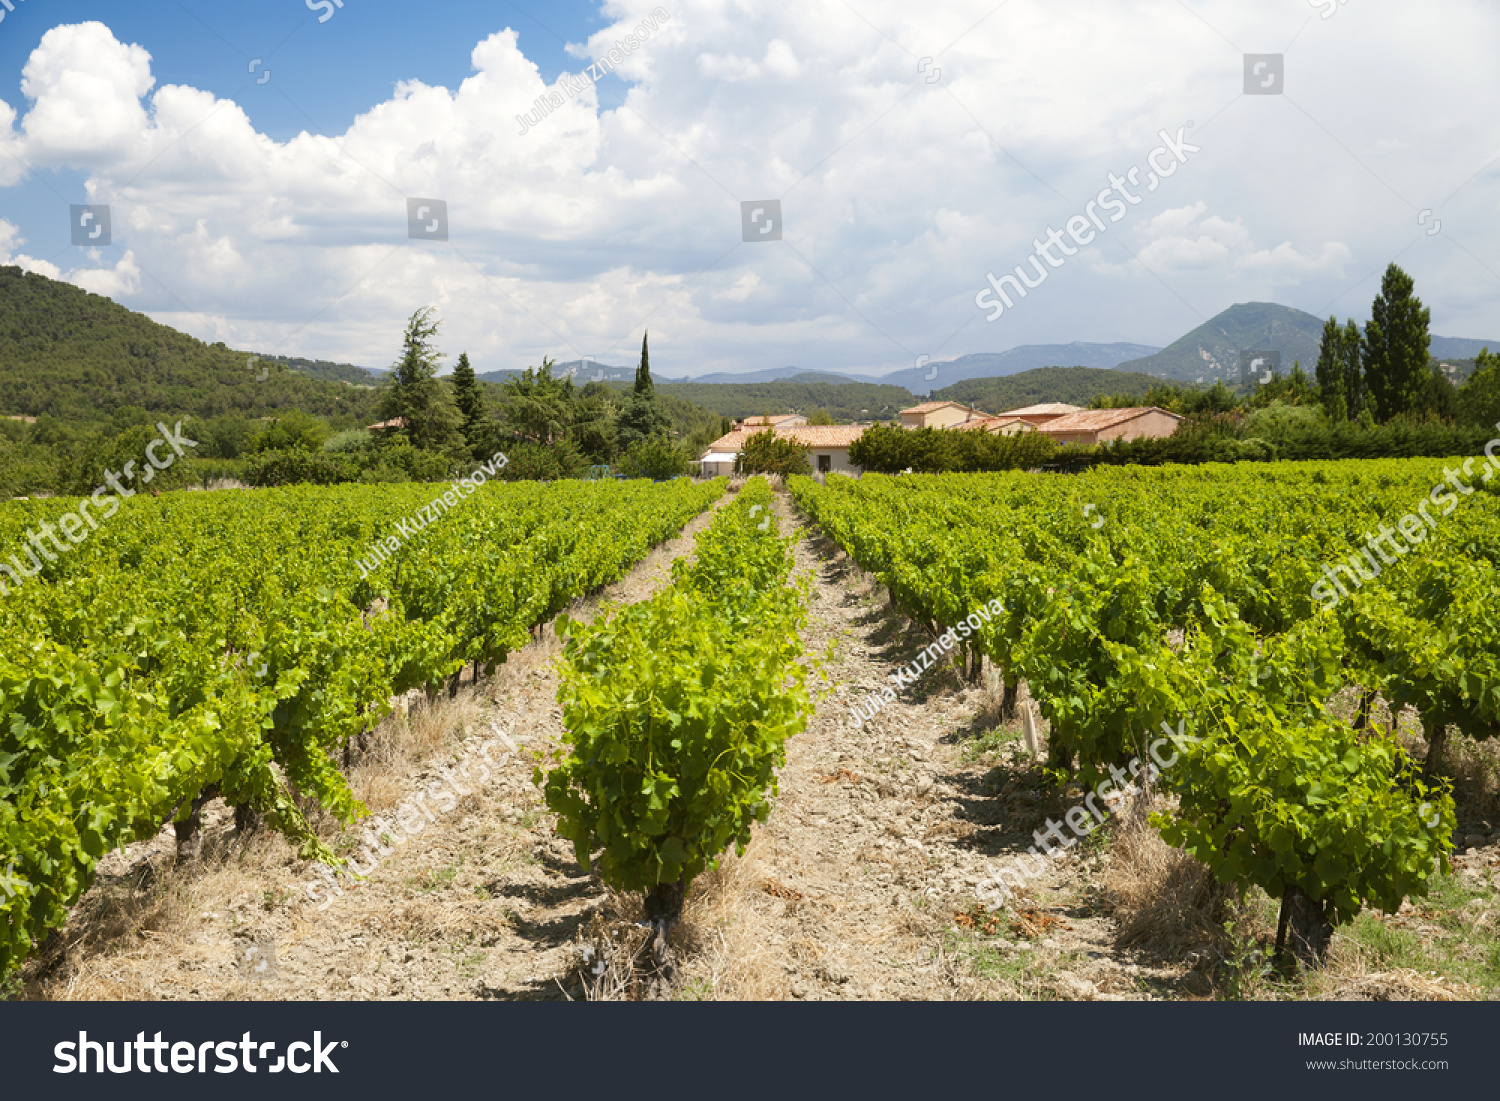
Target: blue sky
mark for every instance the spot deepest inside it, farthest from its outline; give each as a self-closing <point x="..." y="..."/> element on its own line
<point x="327" y="71"/>
<point x="918" y="153"/>
<point x="323" y="73"/>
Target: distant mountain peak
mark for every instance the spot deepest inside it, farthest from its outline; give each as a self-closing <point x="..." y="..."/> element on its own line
<point x="1213" y="351"/>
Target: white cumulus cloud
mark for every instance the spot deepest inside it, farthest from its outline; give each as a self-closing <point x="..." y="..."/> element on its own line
<point x="901" y="184"/>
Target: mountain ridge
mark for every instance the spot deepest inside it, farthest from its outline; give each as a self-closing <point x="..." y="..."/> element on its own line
<point x="1212" y="352"/>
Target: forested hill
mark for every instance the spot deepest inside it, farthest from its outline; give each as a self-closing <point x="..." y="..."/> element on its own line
<point x="78" y="356"/>
<point x="843" y="401"/>
<point x="1074" y="385"/>
<point x="862" y="401"/>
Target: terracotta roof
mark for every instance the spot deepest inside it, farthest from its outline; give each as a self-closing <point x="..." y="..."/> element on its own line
<point x="814" y="435"/>
<point x="1093" y="420"/>
<point x="773" y="419"/>
<point x="1051" y="408"/>
<point x="929" y="406"/>
<point x="988" y="424"/>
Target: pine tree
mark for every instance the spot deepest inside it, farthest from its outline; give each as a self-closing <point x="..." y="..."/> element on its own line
<point x="642" y="418"/>
<point x="416" y="395"/>
<point x="469" y="399"/>
<point x="1396" y="358"/>
<point x="539" y="405"/>
<point x="643" y="384"/>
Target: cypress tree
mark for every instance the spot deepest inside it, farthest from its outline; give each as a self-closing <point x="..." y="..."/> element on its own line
<point x="1356" y="388"/>
<point x="643" y="383"/>
<point x="1396" y="358"/>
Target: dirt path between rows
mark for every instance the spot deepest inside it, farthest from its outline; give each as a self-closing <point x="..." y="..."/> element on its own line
<point x="862" y="884"/>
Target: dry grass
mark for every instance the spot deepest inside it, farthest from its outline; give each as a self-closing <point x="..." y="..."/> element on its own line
<point x="415" y="731"/>
<point x="1345" y="977"/>
<point x="727" y="920"/>
<point x="721" y="942"/>
<point x="1165" y="901"/>
<point x="1352" y="972"/>
<point x="609" y="956"/>
<point x="132" y="929"/>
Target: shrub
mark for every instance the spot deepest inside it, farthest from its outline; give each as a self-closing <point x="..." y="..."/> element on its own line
<point x="353" y="441"/>
<point x="677" y="711"/>
<point x="767" y="453"/>
<point x="656" y="457"/>
<point x="284" y="468"/>
<point x="886" y="449"/>
<point x="541" y="462"/>
<point x="106" y="453"/>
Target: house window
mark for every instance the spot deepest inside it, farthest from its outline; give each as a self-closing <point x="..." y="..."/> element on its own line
<point x="825" y="464"/>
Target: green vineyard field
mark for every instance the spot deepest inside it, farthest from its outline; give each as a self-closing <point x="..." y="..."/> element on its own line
<point x="1234" y="604"/>
<point x="237" y="642"/>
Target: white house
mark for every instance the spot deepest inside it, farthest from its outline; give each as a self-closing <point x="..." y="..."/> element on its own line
<point x="828" y="447"/>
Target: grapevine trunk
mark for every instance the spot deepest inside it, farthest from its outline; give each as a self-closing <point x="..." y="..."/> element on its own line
<point x="663" y="912"/>
<point x="1308" y="924"/>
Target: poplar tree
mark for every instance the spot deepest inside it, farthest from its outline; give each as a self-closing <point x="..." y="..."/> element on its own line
<point x="1396" y="340"/>
<point x="1340" y="371"/>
